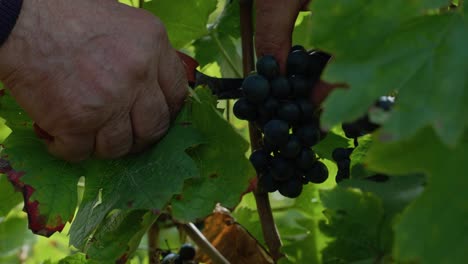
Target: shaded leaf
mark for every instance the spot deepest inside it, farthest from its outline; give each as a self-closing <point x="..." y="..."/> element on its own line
<point x="439" y="214"/>
<point x="410" y="52"/>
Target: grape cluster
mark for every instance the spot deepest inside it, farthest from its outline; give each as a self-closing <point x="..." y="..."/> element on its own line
<point x="342" y="158"/>
<point x="185" y="255"/>
<point x="358" y="128"/>
<point x="280" y="108"/>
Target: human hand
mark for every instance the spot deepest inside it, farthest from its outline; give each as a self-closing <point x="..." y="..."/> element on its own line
<point x="99" y="77"/>
<point x="275" y="23"/>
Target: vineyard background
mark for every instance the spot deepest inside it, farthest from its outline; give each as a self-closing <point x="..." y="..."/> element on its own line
<point x="415" y="49"/>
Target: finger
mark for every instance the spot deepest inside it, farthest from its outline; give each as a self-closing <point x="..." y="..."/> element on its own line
<point x="72" y="147"/>
<point x="172" y="79"/>
<point x="150" y="118"/>
<point x="115" y="138"/>
<point x="274" y="23"/>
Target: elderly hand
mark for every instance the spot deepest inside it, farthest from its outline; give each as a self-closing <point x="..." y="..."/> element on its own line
<point x="100" y="77"/>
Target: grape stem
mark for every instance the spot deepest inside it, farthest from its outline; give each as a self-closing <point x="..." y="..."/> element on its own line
<point x="270" y="232"/>
<point x="204" y="244"/>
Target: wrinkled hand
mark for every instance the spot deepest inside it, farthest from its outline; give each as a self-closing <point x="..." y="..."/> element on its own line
<point x="98" y="76"/>
<point x="275" y="23"/>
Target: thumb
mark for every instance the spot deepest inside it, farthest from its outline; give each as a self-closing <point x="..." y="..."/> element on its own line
<point x="274" y="25"/>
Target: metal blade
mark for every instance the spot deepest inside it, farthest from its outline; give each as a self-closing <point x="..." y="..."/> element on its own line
<point x="223" y="88"/>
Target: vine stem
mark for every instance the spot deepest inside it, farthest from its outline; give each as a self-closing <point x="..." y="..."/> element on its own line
<point x="153" y="239"/>
<point x="270" y="232"/>
<point x="201" y="241"/>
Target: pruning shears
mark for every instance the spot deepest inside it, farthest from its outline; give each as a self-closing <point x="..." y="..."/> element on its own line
<point x="223" y="88"/>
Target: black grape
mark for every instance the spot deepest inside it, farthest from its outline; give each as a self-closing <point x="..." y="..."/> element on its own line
<point x="276" y="131"/>
<point x="309" y="134"/>
<point x="280" y="88"/>
<point x="341" y="153"/>
<point x="297" y="47"/>
<point x="268" y="66"/>
<point x="171" y="259"/>
<point x="271" y="105"/>
<point x="297" y="63"/>
<point x="260" y="159"/>
<point x="307" y="110"/>
<point x="245" y="110"/>
<point x="292" y="148"/>
<point x="291" y="188"/>
<point x="300" y="86"/>
<point x="269" y="146"/>
<point x="289" y="112"/>
<point x="343" y="170"/>
<point x="256" y="88"/>
<point x="306" y="159"/>
<point x="187" y="252"/>
<point x="267" y="183"/>
<point x="344" y="164"/>
<point x="385" y="103"/>
<point x="281" y="169"/>
<point x="318" y="173"/>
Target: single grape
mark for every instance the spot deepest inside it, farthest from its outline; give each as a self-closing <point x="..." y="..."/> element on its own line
<point x="276" y="131"/>
<point x="268" y="67"/>
<point x="318" y="173"/>
<point x="187" y="252"/>
<point x="289" y="112"/>
<point x="281" y="169"/>
<point x="344" y="164"/>
<point x="271" y="105"/>
<point x="341" y="175"/>
<point x="297" y="63"/>
<point x="309" y="134"/>
<point x="269" y="146"/>
<point x="292" y="148"/>
<point x="307" y="110"/>
<point x="280" y="88"/>
<point x="300" y="86"/>
<point x="260" y="159"/>
<point x="385" y="103"/>
<point x="263" y="116"/>
<point x="341" y="153"/>
<point x="353" y="130"/>
<point x="267" y="183"/>
<point x="245" y="110"/>
<point x="291" y="188"/>
<point x="256" y="88"/>
<point x="297" y="47"/>
<point x="171" y="259"/>
<point x="306" y="159"/>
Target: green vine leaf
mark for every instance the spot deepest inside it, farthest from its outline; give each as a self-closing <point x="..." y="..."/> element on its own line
<point x="185" y="21"/>
<point x="146" y="181"/>
<point x="220" y="180"/>
<point x="9" y="198"/>
<point x="353" y="223"/>
<point x="432" y="219"/>
<point x="413" y="51"/>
